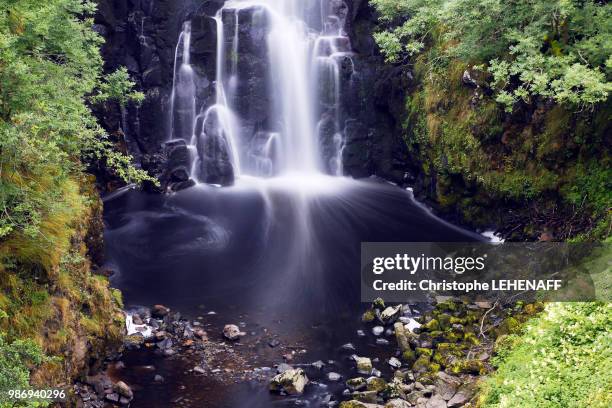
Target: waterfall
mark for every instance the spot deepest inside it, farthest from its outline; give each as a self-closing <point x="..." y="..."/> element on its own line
<point x="183" y="99"/>
<point x="281" y="71"/>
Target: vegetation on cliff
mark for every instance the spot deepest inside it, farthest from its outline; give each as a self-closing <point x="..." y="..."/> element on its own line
<point x="50" y="303"/>
<point x="510" y="109"/>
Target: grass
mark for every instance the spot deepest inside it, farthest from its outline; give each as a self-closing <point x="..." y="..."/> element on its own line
<point x="563" y="358"/>
<point x="50" y="296"/>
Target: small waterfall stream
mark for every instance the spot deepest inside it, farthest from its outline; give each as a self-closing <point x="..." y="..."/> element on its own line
<point x="304" y="51"/>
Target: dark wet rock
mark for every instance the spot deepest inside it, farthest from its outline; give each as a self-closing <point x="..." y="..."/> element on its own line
<point x="159" y="311"/>
<point x="274" y="343"/>
<point x="158" y="378"/>
<point x="214" y="153"/>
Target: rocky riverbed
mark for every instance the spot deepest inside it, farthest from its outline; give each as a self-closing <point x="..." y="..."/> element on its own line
<point x="428" y="356"/>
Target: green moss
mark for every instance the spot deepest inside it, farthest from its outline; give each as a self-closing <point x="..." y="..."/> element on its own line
<point x="368" y="316"/>
<point x="482" y="158"/>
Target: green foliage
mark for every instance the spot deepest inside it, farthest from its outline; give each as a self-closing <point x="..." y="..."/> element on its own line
<point x="563" y="359"/>
<point x="551" y="49"/>
<point x="16" y="359"/>
<point x="118" y="87"/>
<point x="50" y="66"/>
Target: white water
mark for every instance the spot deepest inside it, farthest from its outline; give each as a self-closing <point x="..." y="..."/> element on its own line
<point x="304" y="48"/>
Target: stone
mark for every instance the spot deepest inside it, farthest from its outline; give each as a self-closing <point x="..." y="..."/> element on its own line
<point x="390" y="314"/>
<point x="291" y="382"/>
<point x="133" y="341"/>
<point x="123" y="389"/>
<point x="334" y="377"/>
<point x="159" y="311"/>
<point x="356" y="384"/>
<point x="376" y="384"/>
<point x="366" y="396"/>
<point x="358" y="404"/>
<point x="158" y="379"/>
<point x="401" y="336"/>
<point x="446" y="385"/>
<point x="435" y="402"/>
<point x="318" y="365"/>
<point x="378" y="330"/>
<point x="113" y="397"/>
<point x="348" y="347"/>
<point x="394" y="362"/>
<point x="199" y="370"/>
<point x="364" y="365"/>
<point x="368" y="316"/>
<point x="397" y="403"/>
<point x="382" y="342"/>
<point x="232" y="332"/>
<point x="459" y="399"/>
<point x="412" y="325"/>
<point x="274" y="343"/>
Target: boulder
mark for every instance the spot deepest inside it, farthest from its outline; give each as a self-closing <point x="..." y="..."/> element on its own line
<point x="364" y="365"/>
<point x="291" y="382"/>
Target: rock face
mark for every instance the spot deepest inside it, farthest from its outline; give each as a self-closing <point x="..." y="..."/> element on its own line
<point x="142" y="35"/>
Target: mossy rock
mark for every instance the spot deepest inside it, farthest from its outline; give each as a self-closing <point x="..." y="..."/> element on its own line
<point x="475" y="367"/>
<point x="409" y="356"/>
<point x="379" y="304"/>
<point x="447" y="306"/>
<point x="510" y="325"/>
<point x="444" y="320"/>
<point x="432" y="325"/>
<point x="422" y="363"/>
<point x="453" y="336"/>
<point x="471" y="338"/>
<point x="352" y="404"/>
<point x="366" y="396"/>
<point x="356" y="384"/>
<point x="368" y="316"/>
<point x="421" y="351"/>
<point x="376" y="384"/>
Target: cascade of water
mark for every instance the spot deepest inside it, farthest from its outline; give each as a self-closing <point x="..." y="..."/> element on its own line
<point x="183" y="98"/>
<point x="280" y="76"/>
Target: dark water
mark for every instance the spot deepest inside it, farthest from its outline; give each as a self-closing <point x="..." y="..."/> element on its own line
<point x="281" y="257"/>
